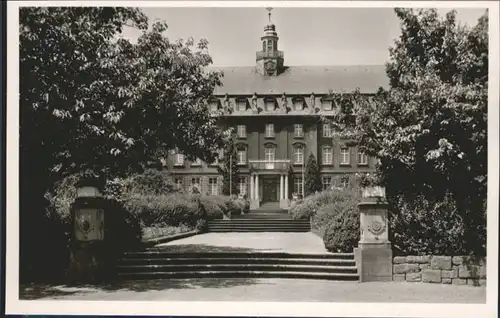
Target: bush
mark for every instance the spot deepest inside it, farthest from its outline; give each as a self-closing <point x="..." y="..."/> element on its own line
<point x="215" y="206"/>
<point x="341" y="234"/>
<point x="423" y="227"/>
<point x="342" y="198"/>
<point x="149" y="233"/>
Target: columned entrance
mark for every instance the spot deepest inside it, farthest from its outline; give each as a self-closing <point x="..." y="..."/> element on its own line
<point x="270" y="191"/>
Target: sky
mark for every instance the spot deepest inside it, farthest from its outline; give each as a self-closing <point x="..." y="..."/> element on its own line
<point x="308" y="36"/>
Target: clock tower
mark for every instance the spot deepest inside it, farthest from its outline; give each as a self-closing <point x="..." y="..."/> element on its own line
<point x="270" y="60"/>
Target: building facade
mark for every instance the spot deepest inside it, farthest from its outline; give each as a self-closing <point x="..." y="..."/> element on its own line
<point x="275" y="112"/>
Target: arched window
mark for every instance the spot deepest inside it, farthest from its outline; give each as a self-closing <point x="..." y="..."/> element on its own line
<point x="241" y="155"/>
<point x="269" y="46"/>
<point x="263" y="46"/>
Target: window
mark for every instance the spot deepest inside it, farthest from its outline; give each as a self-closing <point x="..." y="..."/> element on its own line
<point x="178" y="182"/>
<point x="298" y="103"/>
<point x="269" y="154"/>
<point x="269" y="45"/>
<point x="362" y="158"/>
<point x="327" y="156"/>
<point x="214" y="105"/>
<point x="195" y="181"/>
<point x="270" y="104"/>
<point x="242" y="185"/>
<point x="299" y="130"/>
<point x="241" y="156"/>
<point x="298" y="185"/>
<point x="327" y="104"/>
<point x="327" y="182"/>
<point x="298" y="155"/>
<point x="270" y="130"/>
<point x="344" y="156"/>
<point x="179" y="159"/>
<point x="241" y="104"/>
<point x="344" y="182"/>
<point x="242" y="131"/>
<point x="213" y="186"/>
<point x="327" y="130"/>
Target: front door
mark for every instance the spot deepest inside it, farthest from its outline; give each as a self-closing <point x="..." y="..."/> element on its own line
<point x="270" y="190"/>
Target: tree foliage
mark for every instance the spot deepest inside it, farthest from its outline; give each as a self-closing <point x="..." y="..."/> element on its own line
<point x="93" y="100"/>
<point x="429" y="128"/>
<point x="312" y="177"/>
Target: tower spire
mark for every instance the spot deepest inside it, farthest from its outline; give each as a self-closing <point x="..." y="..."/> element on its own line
<point x="269" y="9"/>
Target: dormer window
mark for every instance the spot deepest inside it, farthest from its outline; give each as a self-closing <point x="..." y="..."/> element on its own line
<point x="270" y="104"/>
<point x="327" y="104"/>
<point x="298" y="103"/>
<point x="214" y="105"/>
<point x="179" y="159"/>
<point x="241" y="104"/>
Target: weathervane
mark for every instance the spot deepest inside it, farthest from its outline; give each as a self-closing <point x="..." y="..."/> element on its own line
<point x="269" y="9"/>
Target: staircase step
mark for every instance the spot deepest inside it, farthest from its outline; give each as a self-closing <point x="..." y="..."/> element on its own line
<point x="227" y="260"/>
<point x="240" y="274"/>
<point x="232" y="267"/>
<point x="161" y="252"/>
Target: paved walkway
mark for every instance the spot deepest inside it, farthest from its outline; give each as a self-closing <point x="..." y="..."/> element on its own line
<point x="266" y="241"/>
<point x="293" y="290"/>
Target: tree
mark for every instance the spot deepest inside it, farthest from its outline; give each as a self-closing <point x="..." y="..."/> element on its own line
<point x="92" y="100"/>
<point x="229" y="170"/>
<point x="429" y="129"/>
<point x="312" y="177"/>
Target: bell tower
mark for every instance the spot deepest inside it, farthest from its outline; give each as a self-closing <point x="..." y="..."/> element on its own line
<point x="270" y="60"/>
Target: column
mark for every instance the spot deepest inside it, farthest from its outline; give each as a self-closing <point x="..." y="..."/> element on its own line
<point x="256" y="187"/>
<point x="252" y="188"/>
<point x="286" y="187"/>
<point x="281" y="188"/>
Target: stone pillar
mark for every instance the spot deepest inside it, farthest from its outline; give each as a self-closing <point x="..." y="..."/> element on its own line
<point x="374" y="253"/>
<point x="252" y="187"/>
<point x="286" y="187"/>
<point x="281" y="188"/>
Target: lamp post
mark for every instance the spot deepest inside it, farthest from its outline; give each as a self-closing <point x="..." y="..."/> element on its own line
<point x="231" y="174"/>
<point x="303" y="172"/>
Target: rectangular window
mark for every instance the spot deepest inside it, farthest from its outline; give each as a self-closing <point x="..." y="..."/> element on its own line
<point x="242" y="131"/>
<point x="344" y="182"/>
<point x="298" y="185"/>
<point x="344" y="156"/>
<point x="270" y="130"/>
<point x="327" y="183"/>
<point x="269" y="154"/>
<point x="179" y="159"/>
<point x="298" y="155"/>
<point x="298" y="130"/>
<point x="195" y="181"/>
<point x="213" y="186"/>
<point x="327" y="156"/>
<point x="362" y="158"/>
<point x="327" y="130"/>
<point x="242" y="157"/>
<point x="242" y="185"/>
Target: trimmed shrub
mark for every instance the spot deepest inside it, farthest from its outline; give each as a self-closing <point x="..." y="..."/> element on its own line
<point x="341" y="234"/>
<point x="215" y="206"/>
<point x="423" y="227"/>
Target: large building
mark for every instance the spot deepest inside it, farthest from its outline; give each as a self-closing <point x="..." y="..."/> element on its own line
<point x="276" y="112"/>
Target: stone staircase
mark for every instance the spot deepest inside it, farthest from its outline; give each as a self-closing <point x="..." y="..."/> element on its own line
<point x="268" y="218"/>
<point x="156" y="263"/>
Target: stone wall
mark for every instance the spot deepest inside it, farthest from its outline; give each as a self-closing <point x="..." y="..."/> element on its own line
<point x="457" y="270"/>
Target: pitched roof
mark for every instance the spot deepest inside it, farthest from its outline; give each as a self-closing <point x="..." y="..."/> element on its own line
<point x="302" y="80"/>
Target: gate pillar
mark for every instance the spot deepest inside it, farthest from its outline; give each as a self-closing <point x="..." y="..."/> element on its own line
<point x="374" y="252"/>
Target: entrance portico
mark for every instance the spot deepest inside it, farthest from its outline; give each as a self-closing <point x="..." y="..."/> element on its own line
<point x="269" y="182"/>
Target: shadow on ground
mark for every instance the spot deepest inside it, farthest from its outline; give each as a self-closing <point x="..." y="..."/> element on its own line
<point x="203" y="248"/>
<point x="33" y="292"/>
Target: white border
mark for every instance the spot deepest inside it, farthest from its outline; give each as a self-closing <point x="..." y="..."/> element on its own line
<point x="16" y="306"/>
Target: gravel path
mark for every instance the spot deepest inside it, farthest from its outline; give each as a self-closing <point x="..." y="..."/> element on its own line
<point x="299" y="290"/>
